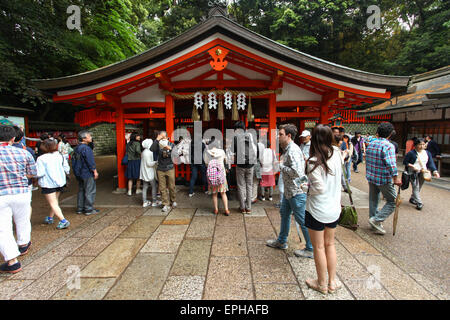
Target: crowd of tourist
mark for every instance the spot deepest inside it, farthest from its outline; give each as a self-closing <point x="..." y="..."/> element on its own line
<point x="311" y="177"/>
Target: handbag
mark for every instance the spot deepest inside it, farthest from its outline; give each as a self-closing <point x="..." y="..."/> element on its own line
<point x="349" y="216"/>
<point x="125" y="160"/>
<point x="425" y="172"/>
<point x="406" y="179"/>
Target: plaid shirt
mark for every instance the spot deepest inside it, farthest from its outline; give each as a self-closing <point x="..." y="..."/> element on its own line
<point x="16" y="164"/>
<point x="381" y="164"/>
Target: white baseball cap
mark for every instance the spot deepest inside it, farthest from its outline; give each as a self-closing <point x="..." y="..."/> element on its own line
<point x="305" y="133"/>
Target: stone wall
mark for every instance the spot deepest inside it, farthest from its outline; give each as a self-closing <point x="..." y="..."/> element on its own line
<point x="352" y="127"/>
<point x="104" y="135"/>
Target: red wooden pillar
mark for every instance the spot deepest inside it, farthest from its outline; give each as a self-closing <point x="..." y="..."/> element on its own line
<point x="120" y="140"/>
<point x="169" y="116"/>
<point x="302" y="125"/>
<point x="324" y="110"/>
<point x="272" y="120"/>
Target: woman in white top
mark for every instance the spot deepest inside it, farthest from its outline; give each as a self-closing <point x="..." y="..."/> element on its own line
<point x="213" y="152"/>
<point x="323" y="205"/>
<point x="52" y="169"/>
<point x="148" y="173"/>
<point x="64" y="147"/>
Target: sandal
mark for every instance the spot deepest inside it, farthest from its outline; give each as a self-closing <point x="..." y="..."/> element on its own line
<point x="216" y="211"/>
<point x="333" y="289"/>
<point x="227" y="212"/>
<point x="313" y="284"/>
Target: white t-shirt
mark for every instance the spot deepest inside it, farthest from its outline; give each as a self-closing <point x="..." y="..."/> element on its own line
<point x="424" y="158"/>
<point x="324" y="195"/>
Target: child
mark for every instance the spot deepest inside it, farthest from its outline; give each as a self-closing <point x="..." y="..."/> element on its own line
<point x="148" y="173"/>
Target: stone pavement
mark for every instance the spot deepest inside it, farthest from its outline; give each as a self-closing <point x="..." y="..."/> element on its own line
<point x="128" y="252"/>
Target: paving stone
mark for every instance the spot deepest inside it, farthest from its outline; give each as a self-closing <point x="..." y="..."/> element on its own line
<point x="183" y="288"/>
<point x="252" y="220"/>
<point x="156" y="211"/>
<point x="179" y="216"/>
<point x="143" y="279"/>
<point x="305" y="268"/>
<point x="202" y="227"/>
<point x="229" y="278"/>
<point x="124" y="220"/>
<point x="271" y="270"/>
<point x="353" y="243"/>
<point x="166" y="238"/>
<point x="10" y="288"/>
<point x="100" y="241"/>
<point x="362" y="284"/>
<point x="259" y="249"/>
<point x="90" y="289"/>
<point x="257" y="212"/>
<point x="127" y="212"/>
<point x="260" y="232"/>
<point x="275" y="291"/>
<point x="399" y="284"/>
<point x="438" y="291"/>
<point x="201" y="212"/>
<point x="143" y="227"/>
<point x="114" y="259"/>
<point x="192" y="258"/>
<point x="52" y="281"/>
<point x="96" y="227"/>
<point x="44" y="263"/>
<point x="234" y="219"/>
<point x="229" y="241"/>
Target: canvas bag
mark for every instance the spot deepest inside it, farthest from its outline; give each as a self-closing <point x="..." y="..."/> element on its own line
<point x="349" y="216"/>
<point x="426" y="173"/>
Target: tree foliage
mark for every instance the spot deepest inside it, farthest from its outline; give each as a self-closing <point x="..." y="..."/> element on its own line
<point x="36" y="43"/>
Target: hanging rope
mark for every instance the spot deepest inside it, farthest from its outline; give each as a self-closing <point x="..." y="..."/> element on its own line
<point x="221" y="92"/>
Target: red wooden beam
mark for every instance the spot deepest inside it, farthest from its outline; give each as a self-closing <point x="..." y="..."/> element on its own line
<point x="144" y="116"/>
<point x="164" y="81"/>
<point x="235" y="75"/>
<point x="298" y="114"/>
<point x="251" y="67"/>
<point x="205" y="75"/>
<point x="315" y="90"/>
<point x="276" y="80"/>
<point x="224" y="83"/>
<point x="298" y="103"/>
<point x="135" y="105"/>
<point x="110" y="99"/>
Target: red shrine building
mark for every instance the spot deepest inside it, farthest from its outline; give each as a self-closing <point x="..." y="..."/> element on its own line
<point x="164" y="85"/>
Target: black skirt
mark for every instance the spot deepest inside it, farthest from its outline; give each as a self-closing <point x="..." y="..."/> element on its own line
<point x="133" y="169"/>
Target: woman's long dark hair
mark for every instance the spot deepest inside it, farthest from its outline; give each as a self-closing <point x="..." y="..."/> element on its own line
<point x="321" y="146"/>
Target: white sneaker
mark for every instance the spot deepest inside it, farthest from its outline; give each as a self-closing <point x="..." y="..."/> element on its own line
<point x="138" y="191"/>
<point x="156" y="203"/>
<point x="129" y="192"/>
<point x="263" y="199"/>
<point x="191" y="194"/>
<point x="270" y="199"/>
<point x="146" y="204"/>
<point x="174" y="205"/>
<point x="165" y="209"/>
<point x="377" y="226"/>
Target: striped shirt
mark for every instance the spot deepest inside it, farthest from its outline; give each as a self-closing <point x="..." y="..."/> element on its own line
<point x="15" y="165"/>
<point x="381" y="165"/>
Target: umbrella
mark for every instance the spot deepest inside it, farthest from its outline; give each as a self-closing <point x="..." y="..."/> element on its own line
<point x="398" y="201"/>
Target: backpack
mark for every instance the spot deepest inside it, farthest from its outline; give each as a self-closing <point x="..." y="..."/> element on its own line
<point x="249" y="150"/>
<point x="215" y="173"/>
<point x="77" y="165"/>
